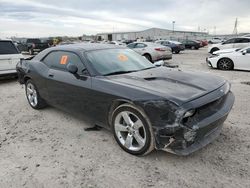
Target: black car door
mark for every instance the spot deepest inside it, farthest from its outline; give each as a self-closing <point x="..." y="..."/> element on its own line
<point x="65" y="90"/>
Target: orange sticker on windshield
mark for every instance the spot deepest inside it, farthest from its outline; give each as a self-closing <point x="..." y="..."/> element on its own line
<point x="64" y="60"/>
<point x="122" y="57"/>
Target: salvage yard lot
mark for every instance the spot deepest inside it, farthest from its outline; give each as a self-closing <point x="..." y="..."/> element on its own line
<point x="50" y="148"/>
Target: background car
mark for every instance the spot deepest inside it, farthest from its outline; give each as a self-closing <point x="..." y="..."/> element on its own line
<point x="238" y="42"/>
<point x="116" y="43"/>
<point x="237" y="59"/>
<point x="174" y="45"/>
<point x="33" y="45"/>
<point x="215" y="40"/>
<point x="9" y="57"/>
<point x="153" y="52"/>
<point x="191" y="44"/>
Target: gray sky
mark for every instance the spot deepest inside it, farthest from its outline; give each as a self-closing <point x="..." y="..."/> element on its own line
<point x="34" y="18"/>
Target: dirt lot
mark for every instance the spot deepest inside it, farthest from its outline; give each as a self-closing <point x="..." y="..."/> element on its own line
<point x="50" y="148"/>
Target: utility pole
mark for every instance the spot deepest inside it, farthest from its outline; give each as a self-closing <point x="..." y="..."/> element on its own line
<point x="173" y="22"/>
<point x="235" y="31"/>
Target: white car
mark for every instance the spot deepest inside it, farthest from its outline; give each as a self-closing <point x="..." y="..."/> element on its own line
<point x="238" y="42"/>
<point x="152" y="51"/>
<point x="117" y="43"/>
<point x="9" y="57"/>
<point x="215" y="40"/>
<point x="238" y="59"/>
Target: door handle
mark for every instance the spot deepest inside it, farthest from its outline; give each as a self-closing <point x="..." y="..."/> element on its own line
<point x="51" y="75"/>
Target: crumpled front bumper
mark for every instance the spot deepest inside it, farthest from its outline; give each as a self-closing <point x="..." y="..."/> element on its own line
<point x="188" y="139"/>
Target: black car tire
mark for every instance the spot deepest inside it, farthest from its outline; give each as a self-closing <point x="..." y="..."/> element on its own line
<point x="177" y="51"/>
<point x="134" y="114"/>
<point x="31" y="91"/>
<point x="148" y="57"/>
<point x="192" y="47"/>
<point x="225" y="64"/>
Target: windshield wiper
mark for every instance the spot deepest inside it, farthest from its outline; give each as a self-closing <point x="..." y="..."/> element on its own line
<point x="118" y="72"/>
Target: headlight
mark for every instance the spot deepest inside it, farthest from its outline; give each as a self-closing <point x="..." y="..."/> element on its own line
<point x="189" y="113"/>
<point x="214" y="55"/>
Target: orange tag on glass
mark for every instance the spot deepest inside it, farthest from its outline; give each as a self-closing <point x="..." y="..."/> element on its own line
<point x="122" y="57"/>
<point x="64" y="60"/>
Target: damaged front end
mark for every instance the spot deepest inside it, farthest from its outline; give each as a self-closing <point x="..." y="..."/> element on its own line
<point x="184" y="129"/>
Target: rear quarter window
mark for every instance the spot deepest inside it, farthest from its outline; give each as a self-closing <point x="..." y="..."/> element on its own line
<point x="7" y="47"/>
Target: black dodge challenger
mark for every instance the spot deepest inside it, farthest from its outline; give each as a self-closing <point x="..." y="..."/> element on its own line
<point x="145" y="106"/>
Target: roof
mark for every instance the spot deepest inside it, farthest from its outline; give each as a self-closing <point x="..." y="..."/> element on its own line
<point x="85" y="46"/>
<point x="148" y="30"/>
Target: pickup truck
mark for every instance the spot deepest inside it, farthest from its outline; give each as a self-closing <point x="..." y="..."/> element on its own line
<point x="32" y="46"/>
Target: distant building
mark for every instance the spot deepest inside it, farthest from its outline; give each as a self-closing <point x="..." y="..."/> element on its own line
<point x="152" y="34"/>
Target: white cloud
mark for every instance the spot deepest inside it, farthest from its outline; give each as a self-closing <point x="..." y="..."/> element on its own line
<point x="53" y="17"/>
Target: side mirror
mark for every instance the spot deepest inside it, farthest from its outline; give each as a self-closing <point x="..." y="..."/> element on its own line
<point x="72" y="68"/>
<point x="159" y="63"/>
<point x="244" y="52"/>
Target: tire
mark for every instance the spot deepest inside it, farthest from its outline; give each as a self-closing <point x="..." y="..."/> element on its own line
<point x="148" y="57"/>
<point x="214" y="50"/>
<point x="225" y="64"/>
<point x="177" y="51"/>
<point x="134" y="138"/>
<point x="31" y="52"/>
<point x="33" y="97"/>
<point x="192" y="47"/>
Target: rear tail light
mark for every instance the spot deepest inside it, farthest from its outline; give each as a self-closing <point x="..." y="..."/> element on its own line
<point x="160" y="49"/>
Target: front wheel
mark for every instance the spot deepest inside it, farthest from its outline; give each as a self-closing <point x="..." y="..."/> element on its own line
<point x="132" y="130"/>
<point x="225" y="64"/>
<point x="33" y="96"/>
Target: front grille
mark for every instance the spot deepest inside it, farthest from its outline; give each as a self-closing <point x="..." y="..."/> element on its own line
<point x="205" y="111"/>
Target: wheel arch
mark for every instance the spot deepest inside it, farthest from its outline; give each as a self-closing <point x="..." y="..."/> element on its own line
<point x="214" y="49"/>
<point x="148" y="55"/>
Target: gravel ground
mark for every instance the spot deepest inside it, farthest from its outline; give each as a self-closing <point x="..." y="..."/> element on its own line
<point x="50" y="148"/>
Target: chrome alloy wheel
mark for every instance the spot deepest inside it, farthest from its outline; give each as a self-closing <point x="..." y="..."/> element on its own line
<point x="31" y="94"/>
<point x="225" y="64"/>
<point x="130" y="131"/>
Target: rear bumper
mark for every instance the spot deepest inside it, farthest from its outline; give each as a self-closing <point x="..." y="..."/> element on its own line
<point x="202" y="130"/>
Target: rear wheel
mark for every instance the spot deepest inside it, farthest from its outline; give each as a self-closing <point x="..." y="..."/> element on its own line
<point x="33" y="96"/>
<point x="225" y="64"/>
<point x="177" y="51"/>
<point x="192" y="47"/>
<point x="132" y="130"/>
<point x="148" y="57"/>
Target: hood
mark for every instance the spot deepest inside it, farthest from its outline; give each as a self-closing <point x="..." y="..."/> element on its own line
<point x="177" y="86"/>
<point x="225" y="51"/>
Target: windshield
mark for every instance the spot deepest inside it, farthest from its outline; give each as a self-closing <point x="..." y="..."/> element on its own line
<point x="111" y="61"/>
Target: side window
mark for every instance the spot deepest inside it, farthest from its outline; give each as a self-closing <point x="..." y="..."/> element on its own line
<point x="230" y="41"/>
<point x="140" y="45"/>
<point x="248" y="50"/>
<point x="132" y="45"/>
<point x="59" y="60"/>
<point x="241" y="40"/>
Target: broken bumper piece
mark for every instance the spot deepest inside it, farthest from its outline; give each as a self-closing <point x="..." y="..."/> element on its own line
<point x="198" y="132"/>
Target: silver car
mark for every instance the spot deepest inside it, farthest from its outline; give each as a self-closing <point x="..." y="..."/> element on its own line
<point x="153" y="52"/>
<point x="9" y="57"/>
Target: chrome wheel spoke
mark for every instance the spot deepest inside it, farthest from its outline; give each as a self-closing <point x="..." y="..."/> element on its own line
<point x="128" y="141"/>
<point x="121" y="128"/>
<point x="138" y="124"/>
<point x="139" y="139"/>
<point x="126" y="118"/>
